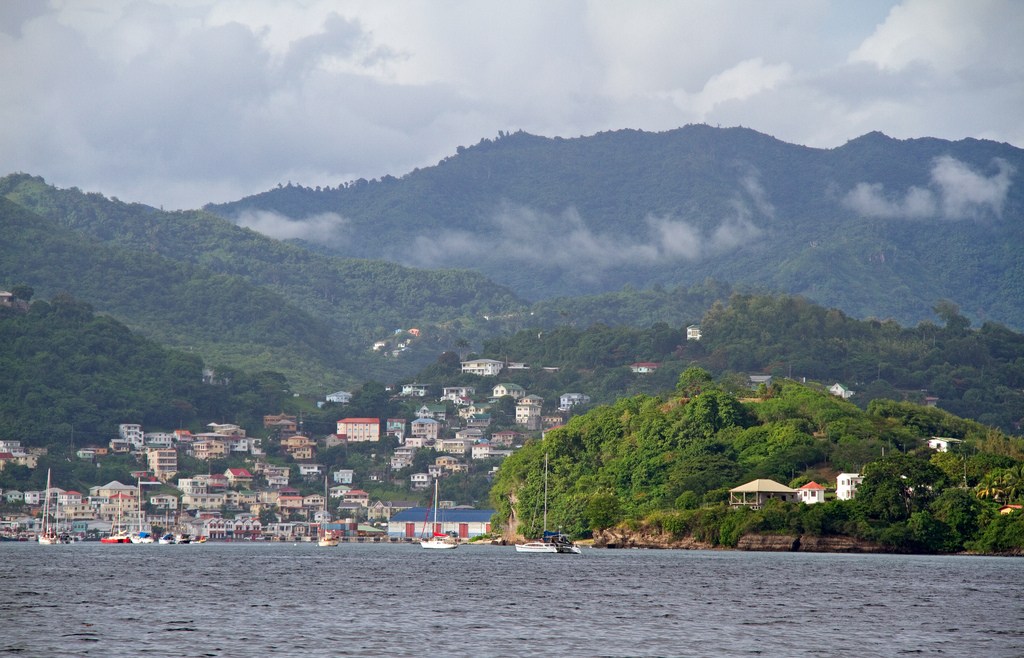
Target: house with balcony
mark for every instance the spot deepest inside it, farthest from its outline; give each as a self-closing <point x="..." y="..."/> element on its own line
<point x="846" y="485"/>
<point x="482" y="367"/>
<point x="427" y="428"/>
<point x="568" y="400"/>
<point x="360" y="429"/>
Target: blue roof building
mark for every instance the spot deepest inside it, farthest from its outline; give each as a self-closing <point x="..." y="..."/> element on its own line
<point x="465" y="523"/>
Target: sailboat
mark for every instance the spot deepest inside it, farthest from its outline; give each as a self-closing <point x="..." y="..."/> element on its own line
<point x="437" y="539"/>
<point x="327" y="537"/>
<point x="49" y="535"/>
<point x="140" y="536"/>
<point x="118" y="535"/>
<point x="550" y="542"/>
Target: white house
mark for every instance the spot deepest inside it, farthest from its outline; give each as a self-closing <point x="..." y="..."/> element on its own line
<point x="839" y="390"/>
<point x="757" y="380"/>
<point x="419" y="480"/>
<point x="344" y="475"/>
<point x="485" y="367"/>
<point x="567" y="400"/>
<point x="642" y="368"/>
<point x="414" y="390"/>
<point x="693" y="332"/>
<point x="942" y="444"/>
<point x="310" y="469"/>
<point x="159" y="439"/>
<point x="514" y="391"/>
<point x="339" y="396"/>
<point x="132" y="434"/>
<point x="454" y="393"/>
<point x="846" y="485"/>
<point x="811" y="493"/>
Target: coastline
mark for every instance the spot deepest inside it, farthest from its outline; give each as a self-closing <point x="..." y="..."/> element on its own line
<point x="613" y="538"/>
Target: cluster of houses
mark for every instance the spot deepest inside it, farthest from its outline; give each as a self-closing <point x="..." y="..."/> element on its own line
<point x="756" y="493"/>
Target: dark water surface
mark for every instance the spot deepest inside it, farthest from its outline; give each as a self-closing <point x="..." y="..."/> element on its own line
<point x="258" y="599"/>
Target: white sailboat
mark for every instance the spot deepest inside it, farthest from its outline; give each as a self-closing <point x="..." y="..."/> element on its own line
<point x="49" y="535"/>
<point x="437" y="539"/>
<point x="553" y="542"/>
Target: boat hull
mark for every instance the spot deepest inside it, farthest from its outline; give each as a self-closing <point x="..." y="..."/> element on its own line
<point x="440" y="544"/>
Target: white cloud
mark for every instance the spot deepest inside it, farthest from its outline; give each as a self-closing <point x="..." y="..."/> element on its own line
<point x="182" y="102"/>
<point x="966" y="193"/>
<point x="326" y="228"/>
<point x="956" y="192"/>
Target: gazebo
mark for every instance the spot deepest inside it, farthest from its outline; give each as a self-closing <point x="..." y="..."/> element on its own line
<point x="755" y="493"/>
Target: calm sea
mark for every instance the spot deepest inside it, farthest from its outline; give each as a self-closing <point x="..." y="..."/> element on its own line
<point x="245" y="599"/>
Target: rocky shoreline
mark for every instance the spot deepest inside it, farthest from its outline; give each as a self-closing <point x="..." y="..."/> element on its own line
<point x="624" y="538"/>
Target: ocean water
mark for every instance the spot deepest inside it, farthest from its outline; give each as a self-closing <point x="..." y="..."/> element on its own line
<point x="256" y="599"/>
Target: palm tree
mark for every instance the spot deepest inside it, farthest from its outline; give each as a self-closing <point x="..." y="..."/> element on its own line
<point x="1012" y="481"/>
<point x="991" y="486"/>
<point x="462" y="344"/>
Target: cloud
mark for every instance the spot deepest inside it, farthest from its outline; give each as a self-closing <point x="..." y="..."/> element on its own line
<point x="326" y="228"/>
<point x="182" y="103"/>
<point x="956" y="192"/>
<point x="966" y="193"/>
<point x="565" y="242"/>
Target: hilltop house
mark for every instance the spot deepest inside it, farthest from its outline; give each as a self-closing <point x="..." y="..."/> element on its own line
<point x="693" y="332"/>
<point x="942" y="444"/>
<point x="839" y="390"/>
<point x="643" y="368"/>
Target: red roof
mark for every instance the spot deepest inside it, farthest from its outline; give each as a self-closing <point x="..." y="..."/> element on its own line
<point x="646" y="365"/>
<point x="360" y="420"/>
<point x="72" y="493"/>
<point x="6" y="455"/>
<point x="811" y="485"/>
<point x="239" y="473"/>
<point x="355" y="492"/>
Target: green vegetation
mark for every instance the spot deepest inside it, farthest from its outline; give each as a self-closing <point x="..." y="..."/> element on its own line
<point x="191" y="279"/>
<point x="666" y="464"/>
<point x="565" y="217"/>
<point x="70" y="377"/>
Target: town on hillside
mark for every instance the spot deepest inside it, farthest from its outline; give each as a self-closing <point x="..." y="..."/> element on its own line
<point x="286" y="484"/>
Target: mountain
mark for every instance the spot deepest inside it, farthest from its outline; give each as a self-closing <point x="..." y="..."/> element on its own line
<point x="71" y="376"/>
<point x="192" y="279"/>
<point x="223" y="318"/>
<point x="878" y="227"/>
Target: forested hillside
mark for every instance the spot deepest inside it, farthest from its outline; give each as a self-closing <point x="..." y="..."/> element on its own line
<point x="222" y="318"/>
<point x="877" y="227"/>
<point x="348" y="303"/>
<point x="665" y="464"/>
<point x="70" y="377"/>
<point x="974" y="373"/>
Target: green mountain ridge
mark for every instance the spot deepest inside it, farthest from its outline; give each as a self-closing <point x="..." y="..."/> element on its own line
<point x="878" y="227"/>
<point x="224" y="318"/>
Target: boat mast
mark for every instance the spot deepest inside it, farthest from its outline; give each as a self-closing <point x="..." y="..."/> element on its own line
<point x="545" y="494"/>
<point x="46" y="506"/>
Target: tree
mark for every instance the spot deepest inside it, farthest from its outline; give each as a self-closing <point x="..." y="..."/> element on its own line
<point x="897" y="486"/>
<point x="22" y="292"/>
<point x="603" y="511"/>
<point x="693" y="380"/>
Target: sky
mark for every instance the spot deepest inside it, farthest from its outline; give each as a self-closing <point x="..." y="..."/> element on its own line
<point x="177" y="103"/>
